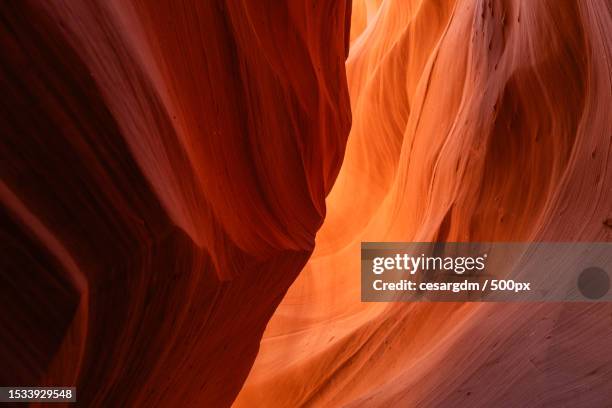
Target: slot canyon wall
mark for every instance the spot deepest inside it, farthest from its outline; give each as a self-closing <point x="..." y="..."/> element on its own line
<point x="163" y="169"/>
<point x="166" y="166"/>
<point x="483" y="120"/>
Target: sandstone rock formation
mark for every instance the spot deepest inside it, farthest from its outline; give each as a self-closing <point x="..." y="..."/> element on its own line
<point x="479" y="120"/>
<point x="163" y="173"/>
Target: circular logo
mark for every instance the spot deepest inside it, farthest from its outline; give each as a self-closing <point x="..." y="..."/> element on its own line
<point x="593" y="283"/>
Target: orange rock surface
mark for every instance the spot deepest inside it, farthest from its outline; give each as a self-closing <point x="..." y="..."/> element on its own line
<point x="167" y="169"/>
<point x="472" y="121"/>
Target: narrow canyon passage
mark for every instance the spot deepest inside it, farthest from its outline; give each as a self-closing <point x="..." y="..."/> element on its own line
<point x="472" y="121"/>
<point x="185" y="186"/>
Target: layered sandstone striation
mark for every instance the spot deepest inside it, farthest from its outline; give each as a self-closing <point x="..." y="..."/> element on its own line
<point x="164" y="167"/>
<point x="472" y="121"/>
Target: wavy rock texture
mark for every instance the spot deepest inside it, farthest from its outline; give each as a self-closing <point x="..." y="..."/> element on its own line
<point x="163" y="169"/>
<point x="472" y="121"/>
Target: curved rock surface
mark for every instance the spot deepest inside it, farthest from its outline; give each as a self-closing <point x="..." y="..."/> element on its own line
<point x="163" y="173"/>
<point x="479" y="120"/>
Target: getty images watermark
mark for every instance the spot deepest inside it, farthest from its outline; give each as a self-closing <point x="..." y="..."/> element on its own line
<point x="485" y="272"/>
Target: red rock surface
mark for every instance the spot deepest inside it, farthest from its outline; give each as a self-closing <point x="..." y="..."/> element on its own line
<point x="163" y="173"/>
<point x="164" y="168"/>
